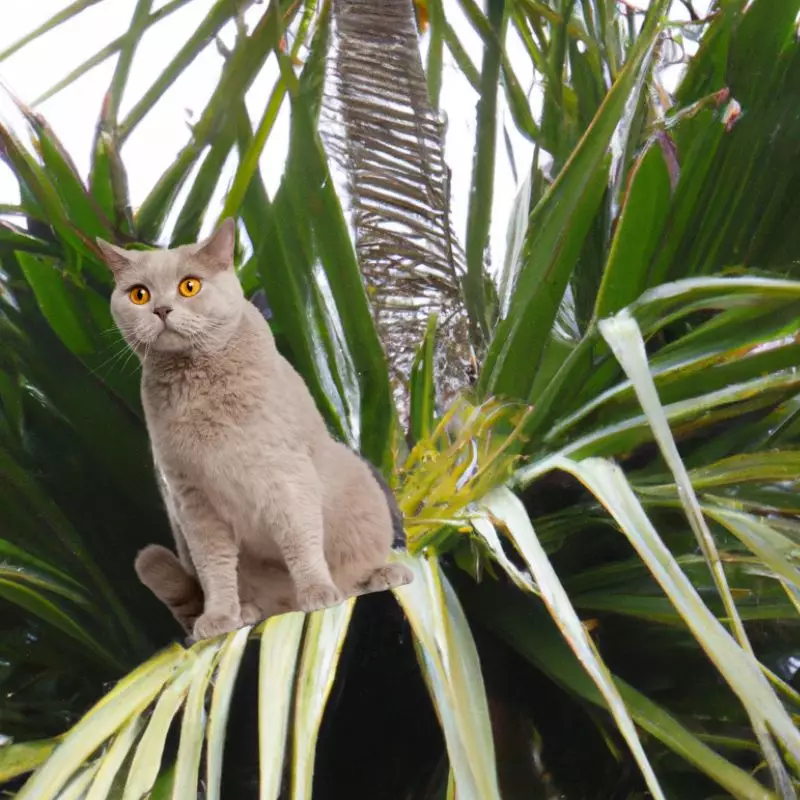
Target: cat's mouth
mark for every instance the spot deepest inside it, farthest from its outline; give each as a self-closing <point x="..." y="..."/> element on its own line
<point x="168" y="326"/>
<point x="168" y="338"/>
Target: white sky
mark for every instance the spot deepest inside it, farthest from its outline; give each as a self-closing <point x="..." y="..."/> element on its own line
<point x="154" y="145"/>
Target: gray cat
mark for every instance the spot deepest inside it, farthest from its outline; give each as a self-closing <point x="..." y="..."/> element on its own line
<point x="269" y="512"/>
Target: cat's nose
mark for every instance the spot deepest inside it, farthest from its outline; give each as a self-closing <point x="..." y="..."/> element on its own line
<point x="162" y="311"/>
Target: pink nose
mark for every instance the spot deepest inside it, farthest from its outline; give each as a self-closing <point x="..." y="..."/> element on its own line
<point x="162" y="311"/>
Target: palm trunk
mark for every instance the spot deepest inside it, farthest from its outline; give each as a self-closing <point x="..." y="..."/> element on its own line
<point x="388" y="138"/>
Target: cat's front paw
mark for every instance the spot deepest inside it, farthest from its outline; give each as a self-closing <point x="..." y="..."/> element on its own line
<point x="251" y="614"/>
<point x="212" y="624"/>
<point x="317" y="596"/>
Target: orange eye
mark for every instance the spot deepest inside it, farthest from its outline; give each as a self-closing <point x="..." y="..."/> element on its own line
<point x="139" y="295"/>
<point x="189" y="287"/>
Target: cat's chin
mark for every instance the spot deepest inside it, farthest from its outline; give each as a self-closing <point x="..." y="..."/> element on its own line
<point x="169" y="341"/>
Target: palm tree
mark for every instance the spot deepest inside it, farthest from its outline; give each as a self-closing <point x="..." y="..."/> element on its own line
<point x="595" y="445"/>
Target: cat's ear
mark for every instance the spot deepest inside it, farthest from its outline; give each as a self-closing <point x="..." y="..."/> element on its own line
<point x="218" y="248"/>
<point x="117" y="259"/>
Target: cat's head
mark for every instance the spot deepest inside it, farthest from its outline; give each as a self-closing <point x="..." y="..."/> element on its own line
<point x="183" y="300"/>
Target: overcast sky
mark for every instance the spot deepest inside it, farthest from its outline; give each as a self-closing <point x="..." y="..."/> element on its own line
<point x="154" y="144"/>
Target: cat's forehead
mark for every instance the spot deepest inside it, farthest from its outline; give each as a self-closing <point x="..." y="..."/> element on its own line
<point x="159" y="266"/>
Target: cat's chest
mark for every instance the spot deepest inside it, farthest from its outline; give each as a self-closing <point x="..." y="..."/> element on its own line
<point x="201" y="408"/>
<point x="214" y="417"/>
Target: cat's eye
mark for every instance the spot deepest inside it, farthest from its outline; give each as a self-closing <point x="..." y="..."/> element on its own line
<point x="139" y="295"/>
<point x="189" y="287"/>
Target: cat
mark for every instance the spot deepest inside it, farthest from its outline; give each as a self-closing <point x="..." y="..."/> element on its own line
<point x="269" y="512"/>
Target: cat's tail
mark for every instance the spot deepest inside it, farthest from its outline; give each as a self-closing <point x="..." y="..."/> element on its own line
<point x="160" y="570"/>
<point x="399" y="541"/>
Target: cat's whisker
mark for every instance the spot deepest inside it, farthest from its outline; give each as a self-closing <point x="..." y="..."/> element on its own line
<point x="139" y="341"/>
<point x="121" y="351"/>
<point x="116" y="329"/>
<point x="146" y="353"/>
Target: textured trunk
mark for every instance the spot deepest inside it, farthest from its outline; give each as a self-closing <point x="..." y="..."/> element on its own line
<point x="381" y="127"/>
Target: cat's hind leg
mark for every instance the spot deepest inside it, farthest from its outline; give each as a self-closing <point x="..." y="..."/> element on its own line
<point x="266" y="590"/>
<point x="293" y="514"/>
<point x="361" y="525"/>
<point x="160" y="570"/>
<point x="389" y="576"/>
<point x="266" y="606"/>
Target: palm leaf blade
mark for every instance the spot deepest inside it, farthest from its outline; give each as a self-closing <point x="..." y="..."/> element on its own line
<point x="131" y="696"/>
<point x="229" y="660"/>
<point x="280" y="649"/>
<point x="323" y="645"/>
<point x="607" y="482"/>
<point x="449" y="662"/>
<point x="147" y="760"/>
<point x="503" y="505"/>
